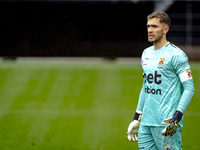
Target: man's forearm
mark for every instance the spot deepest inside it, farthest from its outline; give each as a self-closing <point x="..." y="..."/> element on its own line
<point x="141" y="101"/>
<point x="187" y="95"/>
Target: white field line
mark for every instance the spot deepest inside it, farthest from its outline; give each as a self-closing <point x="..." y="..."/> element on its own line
<point x="191" y="113"/>
<point x="63" y="112"/>
<point x="75" y="60"/>
<point x="72" y="111"/>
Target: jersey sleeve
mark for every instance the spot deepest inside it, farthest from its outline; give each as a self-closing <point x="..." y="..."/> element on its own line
<point x="182" y="68"/>
<point x="187" y="95"/>
<point x="141" y="100"/>
<point x="180" y="62"/>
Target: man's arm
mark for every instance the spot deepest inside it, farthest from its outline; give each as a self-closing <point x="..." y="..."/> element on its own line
<point x="135" y="124"/>
<point x="188" y="85"/>
<point x="188" y="92"/>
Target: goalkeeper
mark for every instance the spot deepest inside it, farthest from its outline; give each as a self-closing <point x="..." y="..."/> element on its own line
<point x="166" y="92"/>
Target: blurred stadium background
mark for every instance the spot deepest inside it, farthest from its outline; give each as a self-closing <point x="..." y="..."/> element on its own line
<point x="101" y="28"/>
<point x="70" y="72"/>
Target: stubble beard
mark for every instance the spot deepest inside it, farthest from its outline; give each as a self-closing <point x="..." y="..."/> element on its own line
<point x="156" y="39"/>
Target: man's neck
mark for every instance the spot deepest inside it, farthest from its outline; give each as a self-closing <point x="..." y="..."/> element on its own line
<point x="160" y="44"/>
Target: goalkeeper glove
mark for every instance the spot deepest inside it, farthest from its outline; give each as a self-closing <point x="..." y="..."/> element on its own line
<point x="170" y="130"/>
<point x="134" y="127"/>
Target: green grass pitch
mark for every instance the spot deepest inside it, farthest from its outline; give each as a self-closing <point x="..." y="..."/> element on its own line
<point x="77" y="106"/>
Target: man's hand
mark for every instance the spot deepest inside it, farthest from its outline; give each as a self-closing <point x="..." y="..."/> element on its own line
<point x="134" y="127"/>
<point x="170" y="130"/>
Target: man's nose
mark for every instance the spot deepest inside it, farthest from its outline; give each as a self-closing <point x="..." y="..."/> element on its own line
<point x="150" y="29"/>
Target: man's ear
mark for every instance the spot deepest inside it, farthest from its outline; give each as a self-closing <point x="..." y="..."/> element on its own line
<point x="166" y="29"/>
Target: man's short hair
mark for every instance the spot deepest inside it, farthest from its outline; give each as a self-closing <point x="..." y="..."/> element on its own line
<point x="164" y="18"/>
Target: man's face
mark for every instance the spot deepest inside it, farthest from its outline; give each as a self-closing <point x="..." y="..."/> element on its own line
<point x="155" y="30"/>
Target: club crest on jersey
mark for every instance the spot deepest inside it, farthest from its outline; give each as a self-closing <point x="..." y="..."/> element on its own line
<point x="161" y="62"/>
<point x="189" y="73"/>
<point x="167" y="147"/>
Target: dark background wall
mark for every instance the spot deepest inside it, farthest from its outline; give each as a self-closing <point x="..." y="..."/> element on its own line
<point x="84" y="28"/>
